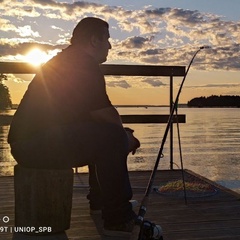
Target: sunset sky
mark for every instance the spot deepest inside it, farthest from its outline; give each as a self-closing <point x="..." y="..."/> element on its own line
<point x="153" y="32"/>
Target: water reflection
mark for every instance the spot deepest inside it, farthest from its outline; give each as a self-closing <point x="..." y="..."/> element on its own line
<point x="210" y="144"/>
<point x="6" y="160"/>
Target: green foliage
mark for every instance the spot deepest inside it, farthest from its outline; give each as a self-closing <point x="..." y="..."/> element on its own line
<point x="5" y="98"/>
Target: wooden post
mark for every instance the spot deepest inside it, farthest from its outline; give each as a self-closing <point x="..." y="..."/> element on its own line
<point x="43" y="198"/>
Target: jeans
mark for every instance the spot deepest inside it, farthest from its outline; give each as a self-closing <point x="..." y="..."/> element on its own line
<point x="104" y="145"/>
<point x="95" y="193"/>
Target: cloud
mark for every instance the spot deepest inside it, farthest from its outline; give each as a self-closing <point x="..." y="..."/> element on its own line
<point x="121" y="84"/>
<point x="157" y="12"/>
<point x="154" y="82"/>
<point x="14" y="78"/>
<point x="186" y="17"/>
<point x="57" y="28"/>
<point x="217" y="85"/>
<point x="162" y="36"/>
<point x="135" y="42"/>
<point x="10" y="50"/>
<point x="5" y="25"/>
<point x="26" y="31"/>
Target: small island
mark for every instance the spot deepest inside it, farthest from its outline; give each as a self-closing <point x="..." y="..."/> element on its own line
<point x="215" y="101"/>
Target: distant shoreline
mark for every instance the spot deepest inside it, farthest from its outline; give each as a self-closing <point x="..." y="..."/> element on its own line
<point x="179" y="106"/>
<point x="15" y="106"/>
<point x="146" y="106"/>
<point x="182" y="105"/>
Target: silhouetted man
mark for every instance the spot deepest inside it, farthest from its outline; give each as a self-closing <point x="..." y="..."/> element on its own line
<point x="66" y="120"/>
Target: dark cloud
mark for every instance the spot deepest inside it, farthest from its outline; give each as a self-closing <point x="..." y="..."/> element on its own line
<point x="187" y="16"/>
<point x="150" y="52"/>
<point x="154" y="82"/>
<point x="157" y="12"/>
<point x="46" y="2"/>
<point x="121" y="84"/>
<point x="135" y="42"/>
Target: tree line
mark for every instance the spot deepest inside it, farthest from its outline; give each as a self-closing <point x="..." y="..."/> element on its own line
<point x="215" y="101"/>
<point x="5" y="98"/>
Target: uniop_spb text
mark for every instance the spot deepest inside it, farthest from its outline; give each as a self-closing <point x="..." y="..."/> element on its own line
<point x="31" y="230"/>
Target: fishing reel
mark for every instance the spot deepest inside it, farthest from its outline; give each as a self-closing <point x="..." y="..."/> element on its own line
<point x="150" y="231"/>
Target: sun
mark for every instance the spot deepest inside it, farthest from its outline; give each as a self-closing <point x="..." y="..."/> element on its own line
<point x="36" y="57"/>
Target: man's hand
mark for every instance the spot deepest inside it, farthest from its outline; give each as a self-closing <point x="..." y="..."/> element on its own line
<point x="133" y="142"/>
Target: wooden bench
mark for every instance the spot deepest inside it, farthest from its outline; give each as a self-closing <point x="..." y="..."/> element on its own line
<point x="43" y="199"/>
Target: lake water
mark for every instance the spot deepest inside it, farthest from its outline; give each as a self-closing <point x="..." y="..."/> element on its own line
<point x="210" y="141"/>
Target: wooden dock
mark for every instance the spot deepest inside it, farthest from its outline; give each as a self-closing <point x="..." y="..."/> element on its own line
<point x="214" y="217"/>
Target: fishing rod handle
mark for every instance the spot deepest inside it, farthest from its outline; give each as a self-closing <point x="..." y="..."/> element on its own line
<point x="142" y="211"/>
<point x="141" y="214"/>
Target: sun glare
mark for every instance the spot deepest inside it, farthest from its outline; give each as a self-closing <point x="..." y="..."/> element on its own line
<point x="36" y="57"/>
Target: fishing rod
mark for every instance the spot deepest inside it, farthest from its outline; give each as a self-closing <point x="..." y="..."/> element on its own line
<point x="148" y="230"/>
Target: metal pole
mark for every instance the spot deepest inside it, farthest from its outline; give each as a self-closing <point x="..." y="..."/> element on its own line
<point x="171" y="124"/>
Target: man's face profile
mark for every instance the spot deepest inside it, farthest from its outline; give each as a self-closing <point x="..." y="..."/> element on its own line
<point x="103" y="46"/>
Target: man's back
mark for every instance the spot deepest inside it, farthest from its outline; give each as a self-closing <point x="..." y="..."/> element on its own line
<point x="67" y="89"/>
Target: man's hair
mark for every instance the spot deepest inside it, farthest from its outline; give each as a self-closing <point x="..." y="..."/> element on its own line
<point x="87" y="28"/>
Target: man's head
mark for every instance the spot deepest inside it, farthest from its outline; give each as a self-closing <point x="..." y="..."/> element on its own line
<point x="92" y="34"/>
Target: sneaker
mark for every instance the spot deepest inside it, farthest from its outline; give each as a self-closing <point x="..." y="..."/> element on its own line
<point x="96" y="211"/>
<point x="119" y="230"/>
<point x="134" y="203"/>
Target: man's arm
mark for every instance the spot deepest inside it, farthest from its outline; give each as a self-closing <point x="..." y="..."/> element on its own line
<point x="107" y="115"/>
<point x="110" y="115"/>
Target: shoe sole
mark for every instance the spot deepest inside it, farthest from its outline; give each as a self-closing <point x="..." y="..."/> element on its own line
<point x="134" y="203"/>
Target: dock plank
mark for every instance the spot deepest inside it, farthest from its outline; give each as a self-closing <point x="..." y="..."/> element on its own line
<point x="214" y="217"/>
